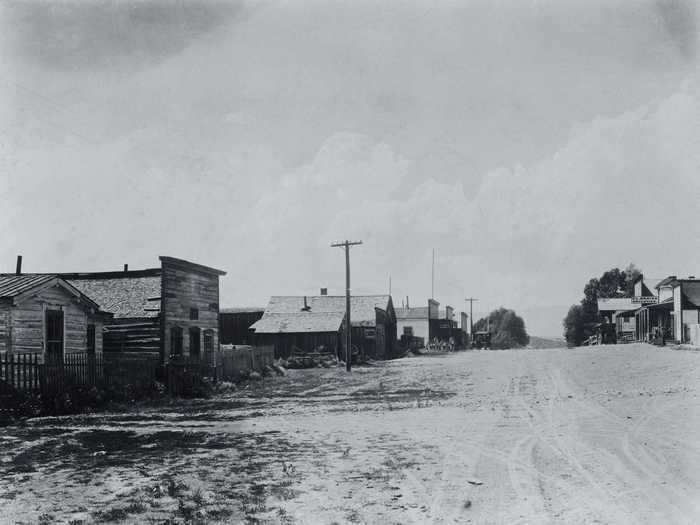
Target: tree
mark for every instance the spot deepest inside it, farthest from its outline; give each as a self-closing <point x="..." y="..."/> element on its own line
<point x="575" y="329"/>
<point x="506" y="327"/>
<point x="613" y="283"/>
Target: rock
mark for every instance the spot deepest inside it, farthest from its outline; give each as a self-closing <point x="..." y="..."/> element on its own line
<point x="255" y="376"/>
<point x="279" y="369"/>
<point x="475" y="482"/>
<point x="467" y="504"/>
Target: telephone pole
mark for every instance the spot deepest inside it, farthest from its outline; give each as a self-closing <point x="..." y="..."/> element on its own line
<point x="348" y="327"/>
<point x="471" y="314"/>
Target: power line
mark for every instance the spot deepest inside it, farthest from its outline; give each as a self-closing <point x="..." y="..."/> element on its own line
<point x="348" y="327"/>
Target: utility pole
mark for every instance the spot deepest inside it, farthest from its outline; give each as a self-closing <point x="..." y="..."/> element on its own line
<point x="348" y="327"/>
<point x="471" y="314"/>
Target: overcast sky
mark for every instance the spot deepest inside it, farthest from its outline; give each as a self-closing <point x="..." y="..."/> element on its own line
<point x="533" y="144"/>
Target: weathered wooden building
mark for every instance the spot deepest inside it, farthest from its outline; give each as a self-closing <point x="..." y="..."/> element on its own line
<point x="372" y="317"/>
<point x="235" y="323"/>
<point x="304" y="330"/>
<point x="46" y="315"/>
<point x="172" y="310"/>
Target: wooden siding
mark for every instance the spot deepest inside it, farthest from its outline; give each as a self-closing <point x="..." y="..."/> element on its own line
<point x="234" y="328"/>
<point x="26" y="323"/>
<point x="5" y="332"/>
<point x="133" y="335"/>
<point x="181" y="290"/>
<point x="306" y="342"/>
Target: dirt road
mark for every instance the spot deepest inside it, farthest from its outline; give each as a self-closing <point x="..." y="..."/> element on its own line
<point x="597" y="435"/>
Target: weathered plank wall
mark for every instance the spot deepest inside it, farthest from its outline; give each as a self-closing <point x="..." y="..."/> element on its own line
<point x="132" y="335"/>
<point x="4" y="326"/>
<point x="27" y="323"/>
<point x="182" y="290"/>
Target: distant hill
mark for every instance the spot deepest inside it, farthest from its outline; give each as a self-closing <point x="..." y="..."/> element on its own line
<point x="542" y="342"/>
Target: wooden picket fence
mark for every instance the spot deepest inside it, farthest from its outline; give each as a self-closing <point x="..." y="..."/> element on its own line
<point x="31" y="372"/>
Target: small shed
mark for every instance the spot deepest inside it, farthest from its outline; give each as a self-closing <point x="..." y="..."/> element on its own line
<point x="44" y="314"/>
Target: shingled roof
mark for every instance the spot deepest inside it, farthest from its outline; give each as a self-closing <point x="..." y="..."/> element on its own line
<point x="362" y="307"/>
<point x="299" y="322"/>
<point x="126" y="297"/>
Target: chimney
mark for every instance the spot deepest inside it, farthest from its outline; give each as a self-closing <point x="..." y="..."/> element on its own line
<point x="324" y="291"/>
<point x="407" y="302"/>
<point x="19" y="265"/>
<point x="306" y="306"/>
<point x="126" y="267"/>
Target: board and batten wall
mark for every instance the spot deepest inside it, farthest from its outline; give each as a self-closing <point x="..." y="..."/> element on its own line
<point x="23" y="330"/>
<point x="183" y="289"/>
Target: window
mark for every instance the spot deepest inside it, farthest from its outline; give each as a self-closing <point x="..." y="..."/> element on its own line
<point x="194" y="314"/>
<point x="91" y="339"/>
<point x="176" y="340"/>
<point x="408" y="331"/>
<point x="208" y="342"/>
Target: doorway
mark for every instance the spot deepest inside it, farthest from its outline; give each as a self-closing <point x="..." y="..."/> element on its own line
<point x="54" y="335"/>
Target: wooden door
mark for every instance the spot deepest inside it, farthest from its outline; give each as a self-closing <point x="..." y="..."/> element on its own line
<point x="54" y="335"/>
<point x="195" y="345"/>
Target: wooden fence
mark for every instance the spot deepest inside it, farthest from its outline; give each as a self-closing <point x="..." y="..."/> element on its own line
<point x="232" y="362"/>
<point x="34" y="373"/>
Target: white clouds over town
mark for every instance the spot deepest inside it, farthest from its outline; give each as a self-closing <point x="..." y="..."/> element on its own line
<point x="505" y="139"/>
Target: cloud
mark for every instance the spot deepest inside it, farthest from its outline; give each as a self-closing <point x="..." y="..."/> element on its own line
<point x="98" y="34"/>
<point x="680" y="18"/>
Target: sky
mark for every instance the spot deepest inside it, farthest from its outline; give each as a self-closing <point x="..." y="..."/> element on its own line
<point x="533" y="145"/>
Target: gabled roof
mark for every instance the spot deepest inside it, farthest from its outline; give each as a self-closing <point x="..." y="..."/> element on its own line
<point x="362" y="307"/>
<point x="15" y="287"/>
<point x="668" y="281"/>
<point x="419" y="312"/>
<point x="126" y="296"/>
<point x="299" y="322"/>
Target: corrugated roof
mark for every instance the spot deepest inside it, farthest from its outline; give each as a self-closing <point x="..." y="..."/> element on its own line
<point x="14" y="285"/>
<point x="362" y="307"/>
<point x="419" y="312"/>
<point x="299" y="322"/>
<point x="125" y="296"/>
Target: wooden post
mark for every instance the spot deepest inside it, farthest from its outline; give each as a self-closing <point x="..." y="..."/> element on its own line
<point x="348" y="328"/>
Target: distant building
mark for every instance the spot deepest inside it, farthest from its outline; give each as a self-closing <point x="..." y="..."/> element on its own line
<point x="415" y="321"/>
<point x="620" y="312"/>
<point x="46" y="315"/>
<point x="684" y="295"/>
<point x="310" y="321"/>
<point x="235" y="323"/>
